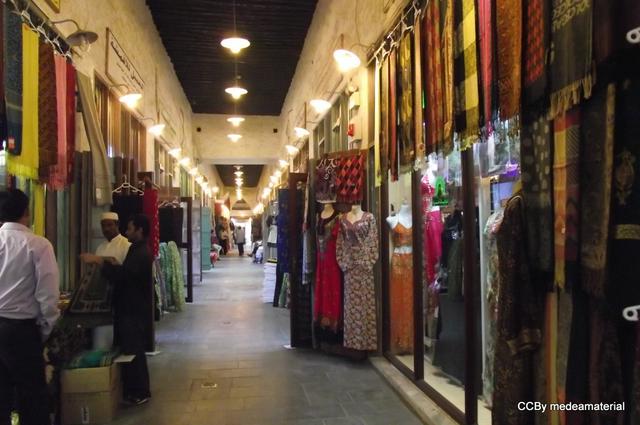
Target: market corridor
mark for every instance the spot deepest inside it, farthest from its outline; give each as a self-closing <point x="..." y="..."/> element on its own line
<point x="223" y="362"/>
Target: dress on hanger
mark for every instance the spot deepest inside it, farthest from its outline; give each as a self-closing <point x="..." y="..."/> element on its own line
<point x="402" y="291"/>
<point x="328" y="289"/>
<point x="357" y="252"/>
<point x="432" y="230"/>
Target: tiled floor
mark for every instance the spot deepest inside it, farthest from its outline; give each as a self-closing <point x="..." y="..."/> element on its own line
<point x="223" y="362"/>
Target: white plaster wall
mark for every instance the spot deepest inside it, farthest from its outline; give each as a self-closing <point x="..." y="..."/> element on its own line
<point x="132" y="24"/>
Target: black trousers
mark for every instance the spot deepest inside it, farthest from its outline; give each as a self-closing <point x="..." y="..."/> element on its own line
<point x="22" y="373"/>
<point x="240" y="249"/>
<point x="131" y="336"/>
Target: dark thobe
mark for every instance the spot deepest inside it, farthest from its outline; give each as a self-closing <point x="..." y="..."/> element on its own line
<point x="133" y="296"/>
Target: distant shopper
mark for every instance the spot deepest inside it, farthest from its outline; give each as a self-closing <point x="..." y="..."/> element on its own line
<point x="224" y="236"/>
<point x="133" y="280"/>
<point x="29" y="294"/>
<point x="239" y="236"/>
<point x="116" y="245"/>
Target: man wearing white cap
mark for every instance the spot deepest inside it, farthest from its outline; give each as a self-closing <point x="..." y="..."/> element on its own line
<point x="116" y="245"/>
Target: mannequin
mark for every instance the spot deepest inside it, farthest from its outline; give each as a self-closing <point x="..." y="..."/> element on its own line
<point x="432" y="167"/>
<point x="355" y="214"/>
<point x="403" y="217"/>
<point x="327" y="210"/>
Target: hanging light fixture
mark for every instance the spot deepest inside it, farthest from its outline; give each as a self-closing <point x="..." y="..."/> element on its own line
<point x="238" y="173"/>
<point x="236" y="92"/>
<point x="184" y="161"/>
<point x="283" y="163"/>
<point x="157" y="129"/>
<point x="215" y="189"/>
<point x="291" y="150"/>
<point x="274" y="179"/>
<point x="81" y="38"/>
<point x="320" y="106"/>
<point x="193" y="171"/>
<point x="235" y="44"/>
<point x="278" y="173"/>
<point x="346" y="60"/>
<point x="175" y="152"/>
<point x="235" y="121"/>
<point x="200" y="180"/>
<point x="301" y="132"/>
<point x="234" y="137"/>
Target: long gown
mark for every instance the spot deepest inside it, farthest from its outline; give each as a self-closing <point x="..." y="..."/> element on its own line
<point x="401" y="295"/>
<point x="328" y="289"/>
<point x="357" y="253"/>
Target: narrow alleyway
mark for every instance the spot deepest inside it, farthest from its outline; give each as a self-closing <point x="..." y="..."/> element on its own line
<point x="223" y="362"/>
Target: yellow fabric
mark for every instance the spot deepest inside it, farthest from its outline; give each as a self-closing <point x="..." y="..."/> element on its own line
<point x="26" y="164"/>
<point x="38" y="212"/>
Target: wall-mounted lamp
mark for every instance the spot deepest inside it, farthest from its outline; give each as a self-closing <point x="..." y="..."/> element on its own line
<point x="283" y="163"/>
<point x="81" y="38"/>
<point x="291" y="150"/>
<point x="130" y="98"/>
<point x="156" y="129"/>
<point x="175" y="152"/>
<point x="320" y="106"/>
<point x="300" y="132"/>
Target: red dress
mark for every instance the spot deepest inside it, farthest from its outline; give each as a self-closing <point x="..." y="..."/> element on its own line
<point x="433" y="227"/>
<point x="150" y="209"/>
<point x="328" y="291"/>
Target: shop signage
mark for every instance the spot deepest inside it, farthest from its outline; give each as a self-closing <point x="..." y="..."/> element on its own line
<point x="441" y="197"/>
<point x="119" y="68"/>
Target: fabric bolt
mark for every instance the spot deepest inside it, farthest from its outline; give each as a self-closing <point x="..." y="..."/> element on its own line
<point x="393" y="115"/>
<point x="58" y="173"/>
<point x="571" y="54"/>
<point x="25" y="164"/>
<point x="566" y="196"/>
<point x="170" y="220"/>
<point x="150" y="209"/>
<point x="597" y="132"/>
<point x="467" y="101"/>
<point x="406" y="134"/>
<point x="13" y="58"/>
<point x="519" y="320"/>
<point x="357" y="253"/>
<point x="326" y="179"/>
<point x="448" y="65"/>
<point x="385" y="118"/>
<point x="126" y="206"/>
<point x="486" y="43"/>
<point x="536" y="46"/>
<point x="328" y="289"/>
<point x="536" y="154"/>
<point x="509" y="53"/>
<point x="47" y="112"/>
<point x="71" y="120"/>
<point x="401" y="292"/>
<point x="433" y="75"/>
<point x="101" y="175"/>
<point x="350" y="177"/>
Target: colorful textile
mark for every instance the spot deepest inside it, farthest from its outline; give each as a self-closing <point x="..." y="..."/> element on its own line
<point x="535" y="151"/>
<point x="90" y="359"/>
<point x="393" y="115"/>
<point x="432" y="227"/>
<point x="71" y="120"/>
<point x="448" y="64"/>
<point x="25" y="164"/>
<point x="350" y="177"/>
<point x="150" y="209"/>
<point x="326" y="175"/>
<point x="418" y="90"/>
<point x="58" y="174"/>
<point x="173" y="277"/>
<point x="486" y="43"/>
<point x="327" y="312"/>
<point x="401" y="292"/>
<point x="47" y="112"/>
<point x="566" y="196"/>
<point x="385" y="119"/>
<point x="433" y="76"/>
<point x="406" y="136"/>
<point x="595" y="181"/>
<point x="357" y="253"/>
<point x="467" y="101"/>
<point x="509" y="47"/>
<point x="536" y="45"/>
<point x="12" y="35"/>
<point x="38" y="211"/>
<point x="571" y="54"/>
<point x="3" y="54"/>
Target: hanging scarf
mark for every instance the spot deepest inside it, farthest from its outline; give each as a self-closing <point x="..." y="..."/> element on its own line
<point x="485" y="40"/>
<point x="38" y="212"/>
<point x="26" y="163"/>
<point x="509" y="44"/>
<point x="406" y="137"/>
<point x="571" y="56"/>
<point x="467" y="102"/>
<point x="446" y="10"/>
<point x="418" y="89"/>
<point x="47" y="112"/>
<point x="13" y="80"/>
<point x="3" y="54"/>
<point x="150" y="209"/>
<point x="71" y="120"/>
<point x="535" y="50"/>
<point x="433" y="76"/>
<point x="393" y="116"/>
<point x="350" y="177"/>
<point x="566" y="195"/>
<point x="385" y="119"/>
<point x="58" y="173"/>
<point x="595" y="179"/>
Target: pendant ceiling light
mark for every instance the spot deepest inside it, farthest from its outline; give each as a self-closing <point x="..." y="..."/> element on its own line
<point x="235" y="121"/>
<point x="215" y="189"/>
<point x="278" y="173"/>
<point x="184" y="161"/>
<point x="235" y="44"/>
<point x="234" y="137"/>
<point x="238" y="173"/>
<point x="236" y="92"/>
<point x="346" y="60"/>
<point x="320" y="106"/>
<point x="301" y="132"/>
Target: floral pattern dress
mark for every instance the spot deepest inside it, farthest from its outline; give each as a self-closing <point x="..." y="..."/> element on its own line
<point x="357" y="252"/>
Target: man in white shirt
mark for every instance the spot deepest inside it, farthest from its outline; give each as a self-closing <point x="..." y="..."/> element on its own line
<point x="29" y="294"/>
<point x="116" y="245"/>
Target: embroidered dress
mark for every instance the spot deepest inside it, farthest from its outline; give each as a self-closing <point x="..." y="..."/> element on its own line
<point x="328" y="289"/>
<point x="401" y="291"/>
<point x="357" y="252"/>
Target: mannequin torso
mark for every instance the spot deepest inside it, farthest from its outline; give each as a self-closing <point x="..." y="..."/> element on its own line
<point x="403" y="218"/>
<point x="355" y="214"/>
<point x="327" y="210"/>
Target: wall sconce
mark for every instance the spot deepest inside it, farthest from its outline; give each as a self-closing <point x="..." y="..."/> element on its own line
<point x="81" y="38"/>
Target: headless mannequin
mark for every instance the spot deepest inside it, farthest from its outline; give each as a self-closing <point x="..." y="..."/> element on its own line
<point x="355" y="214"/>
<point x="327" y="210"/>
<point x="403" y="217"/>
<point x="431" y="176"/>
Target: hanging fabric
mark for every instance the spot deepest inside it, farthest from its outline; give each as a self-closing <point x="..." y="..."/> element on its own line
<point x="47" y="112"/>
<point x="3" y="58"/>
<point x="571" y="56"/>
<point x="25" y="164"/>
<point x="350" y="177"/>
<point x="418" y="88"/>
<point x="467" y="101"/>
<point x="406" y="137"/>
<point x="38" y="212"/>
<point x="433" y="75"/>
<point x="13" y="80"/>
<point x="509" y="46"/>
<point x="127" y="206"/>
<point x="71" y="120"/>
<point x="486" y="43"/>
<point x="385" y="119"/>
<point x="58" y="172"/>
<point x="448" y="64"/>
<point x="150" y="209"/>
<point x="535" y="50"/>
<point x="393" y="115"/>
<point x="101" y="175"/>
<point x="170" y="220"/>
<point x="51" y="219"/>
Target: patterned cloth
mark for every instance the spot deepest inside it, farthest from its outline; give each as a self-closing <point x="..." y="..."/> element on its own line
<point x="173" y="277"/>
<point x="467" y="101"/>
<point x="535" y="51"/>
<point x="486" y="42"/>
<point x="58" y="173"/>
<point x="401" y="292"/>
<point x="566" y="185"/>
<point x="326" y="175"/>
<point x="433" y="76"/>
<point x="406" y="142"/>
<point x="357" y="253"/>
<point x="71" y="120"/>
<point x="47" y="112"/>
<point x="25" y="163"/>
<point x="150" y="209"/>
<point x="571" y="55"/>
<point x="350" y="177"/>
<point x="385" y="119"/>
<point x="432" y="227"/>
<point x="12" y="47"/>
<point x="393" y="115"/>
<point x="38" y="214"/>
<point x="509" y="46"/>
<point x="327" y="312"/>
<point x="448" y="64"/>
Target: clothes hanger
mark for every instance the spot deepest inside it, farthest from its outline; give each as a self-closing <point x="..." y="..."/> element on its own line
<point x="127" y="186"/>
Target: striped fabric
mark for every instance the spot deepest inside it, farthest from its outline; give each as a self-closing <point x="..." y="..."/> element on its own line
<point x="47" y="112"/>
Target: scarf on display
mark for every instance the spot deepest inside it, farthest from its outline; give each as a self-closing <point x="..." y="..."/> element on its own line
<point x="47" y="112"/>
<point x="536" y="45"/>
<point x="71" y="120"/>
<point x="58" y="176"/>
<point x="326" y="179"/>
<point x="418" y="90"/>
<point x="150" y="209"/>
<point x="350" y="177"/>
<point x="509" y="45"/>
<point x="571" y="56"/>
<point x="433" y="75"/>
<point x="12" y="47"/>
<point x="486" y="42"/>
<point x="385" y="119"/>
<point x="39" y="219"/>
<point x="3" y="53"/>
<point x="448" y="89"/>
<point x="393" y="116"/>
<point x="595" y="180"/>
<point x="26" y="163"/>
<point x="566" y="195"/>
<point x="467" y="102"/>
<point x="406" y="99"/>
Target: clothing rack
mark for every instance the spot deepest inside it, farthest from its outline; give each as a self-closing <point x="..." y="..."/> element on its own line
<point x="126" y="186"/>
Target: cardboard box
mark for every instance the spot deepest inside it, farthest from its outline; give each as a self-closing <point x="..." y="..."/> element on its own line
<point x="90" y="396"/>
